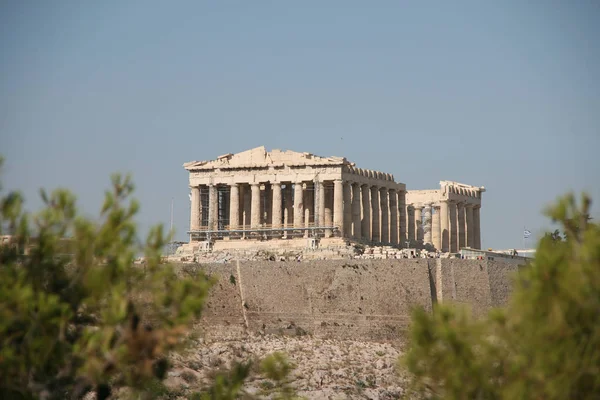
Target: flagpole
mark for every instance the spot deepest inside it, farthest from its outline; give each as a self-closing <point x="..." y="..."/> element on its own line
<point x="171" y="249"/>
<point x="171" y="227"/>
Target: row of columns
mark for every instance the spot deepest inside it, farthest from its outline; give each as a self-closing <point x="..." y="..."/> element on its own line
<point x="360" y="211"/>
<point x="448" y="226"/>
<point x="366" y="212"/>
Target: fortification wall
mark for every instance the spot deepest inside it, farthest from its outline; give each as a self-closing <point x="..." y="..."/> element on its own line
<point x="478" y="284"/>
<point x="501" y="275"/>
<point x="359" y="299"/>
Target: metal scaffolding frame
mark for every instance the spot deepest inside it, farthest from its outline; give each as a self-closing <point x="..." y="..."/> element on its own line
<point x="264" y="232"/>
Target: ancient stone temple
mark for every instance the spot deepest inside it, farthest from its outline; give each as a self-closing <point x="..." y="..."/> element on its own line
<point x="262" y="195"/>
<point x="447" y="218"/>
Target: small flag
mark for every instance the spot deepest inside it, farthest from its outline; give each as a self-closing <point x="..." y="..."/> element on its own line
<point x="526" y="234"/>
<point x="190" y="196"/>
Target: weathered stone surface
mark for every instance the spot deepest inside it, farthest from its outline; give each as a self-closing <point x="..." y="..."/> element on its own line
<point x="271" y="195"/>
<point x="366" y="299"/>
<point x="309" y="206"/>
<point x="454" y="206"/>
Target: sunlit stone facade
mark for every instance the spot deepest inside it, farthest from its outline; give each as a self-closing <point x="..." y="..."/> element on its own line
<point x="257" y="194"/>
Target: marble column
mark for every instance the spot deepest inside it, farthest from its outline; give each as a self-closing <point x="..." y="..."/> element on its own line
<point x="338" y="206"/>
<point x="298" y="205"/>
<point x="453" y="227"/>
<point x="419" y="223"/>
<point x="366" y="213"/>
<point x="321" y="208"/>
<point x="204" y="206"/>
<point x="212" y="207"/>
<point x="427" y="229"/>
<point x="402" y="216"/>
<point x="375" y="215"/>
<point x="195" y="215"/>
<point x="309" y="203"/>
<point x="393" y="199"/>
<point x="477" y="227"/>
<point x="435" y="227"/>
<point x="469" y="223"/>
<point x="234" y="206"/>
<point x="460" y="210"/>
<point x="276" y="213"/>
<point x="347" y="210"/>
<point x="444" y="227"/>
<point x="316" y="203"/>
<point x="385" y="215"/>
<point x="410" y="224"/>
<point x="247" y="207"/>
<point x="267" y="214"/>
<point x="356" y="220"/>
<point x="255" y="206"/>
<point x="393" y="216"/>
<point x="287" y="205"/>
<point x="328" y="214"/>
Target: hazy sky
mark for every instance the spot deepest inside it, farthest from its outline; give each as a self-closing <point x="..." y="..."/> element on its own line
<point x="504" y="94"/>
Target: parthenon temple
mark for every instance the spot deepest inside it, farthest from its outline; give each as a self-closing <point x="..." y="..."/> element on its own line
<point x="265" y="195"/>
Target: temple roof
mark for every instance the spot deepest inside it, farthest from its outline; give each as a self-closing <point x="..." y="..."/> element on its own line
<point x="259" y="156"/>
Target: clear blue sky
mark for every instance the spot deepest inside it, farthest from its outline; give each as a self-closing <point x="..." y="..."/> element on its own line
<point x="504" y="94"/>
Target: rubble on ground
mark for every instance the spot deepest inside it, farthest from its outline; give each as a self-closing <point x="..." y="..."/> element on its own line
<point x="324" y="368"/>
<point x="348" y="250"/>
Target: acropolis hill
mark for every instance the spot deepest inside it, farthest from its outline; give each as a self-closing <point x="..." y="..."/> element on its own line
<point x="285" y="197"/>
<point x="258" y="206"/>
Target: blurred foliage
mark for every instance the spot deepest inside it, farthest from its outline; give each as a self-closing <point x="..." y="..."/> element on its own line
<point x="227" y="385"/>
<point x="277" y="368"/>
<point x="77" y="314"/>
<point x="544" y="345"/>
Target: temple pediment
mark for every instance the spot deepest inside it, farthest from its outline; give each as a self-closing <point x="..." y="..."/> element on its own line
<point x="260" y="157"/>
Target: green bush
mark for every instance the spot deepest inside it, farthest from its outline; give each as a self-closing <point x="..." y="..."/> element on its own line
<point x="76" y="314"/>
<point x="544" y="345"/>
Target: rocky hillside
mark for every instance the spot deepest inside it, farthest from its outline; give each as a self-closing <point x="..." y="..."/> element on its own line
<point x="324" y="369"/>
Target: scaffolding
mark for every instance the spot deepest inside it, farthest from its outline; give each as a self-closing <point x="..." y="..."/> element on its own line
<point x="268" y="229"/>
<point x="264" y="232"/>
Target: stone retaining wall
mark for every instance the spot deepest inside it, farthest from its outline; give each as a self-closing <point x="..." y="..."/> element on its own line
<point x="358" y="299"/>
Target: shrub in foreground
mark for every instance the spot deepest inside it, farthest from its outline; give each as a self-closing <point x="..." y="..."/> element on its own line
<point x="544" y="345"/>
<point x="76" y="314"/>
